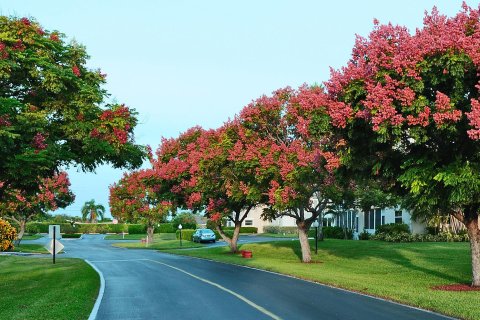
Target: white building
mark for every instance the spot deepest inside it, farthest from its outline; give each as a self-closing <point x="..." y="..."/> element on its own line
<point x="356" y="220"/>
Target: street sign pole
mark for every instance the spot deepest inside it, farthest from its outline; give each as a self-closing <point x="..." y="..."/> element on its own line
<point x="54" y="238"/>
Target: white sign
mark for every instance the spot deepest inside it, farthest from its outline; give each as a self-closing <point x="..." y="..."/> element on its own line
<point x="57" y="231"/>
<point x="58" y="246"/>
<point x="115" y="221"/>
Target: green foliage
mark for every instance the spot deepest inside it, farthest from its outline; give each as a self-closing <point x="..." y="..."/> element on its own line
<point x="392" y="229"/>
<point x="72" y="235"/>
<point x="165" y="228"/>
<point x="228" y="233"/>
<point x="42" y="227"/>
<point x="280" y="230"/>
<point x="187" y="220"/>
<point x="92" y="211"/>
<point x="407" y="237"/>
<point x="336" y="233"/>
<point x="242" y="229"/>
<point x="187" y="234"/>
<point x="364" y="235"/>
<point x="137" y="228"/>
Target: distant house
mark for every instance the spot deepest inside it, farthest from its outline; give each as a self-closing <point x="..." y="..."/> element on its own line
<point x="356" y="220"/>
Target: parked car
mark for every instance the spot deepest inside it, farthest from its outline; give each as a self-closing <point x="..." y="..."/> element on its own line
<point x="203" y="235"/>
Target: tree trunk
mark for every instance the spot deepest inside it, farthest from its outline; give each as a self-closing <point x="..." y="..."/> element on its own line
<point x="303" y="228"/>
<point x="233" y="242"/>
<point x="21" y="232"/>
<point x="474" y="234"/>
<point x="150" y="234"/>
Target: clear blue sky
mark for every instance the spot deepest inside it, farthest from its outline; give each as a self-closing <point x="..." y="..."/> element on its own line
<point x="185" y="63"/>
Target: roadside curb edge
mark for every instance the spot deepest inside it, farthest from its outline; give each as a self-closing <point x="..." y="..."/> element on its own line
<point x="93" y="314"/>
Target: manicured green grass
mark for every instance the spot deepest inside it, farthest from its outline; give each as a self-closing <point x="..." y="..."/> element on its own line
<point x="34" y="288"/>
<point x="156" y="236"/>
<point x="160" y="245"/>
<point x="30" y="248"/>
<point x="32" y="237"/>
<point x="403" y="272"/>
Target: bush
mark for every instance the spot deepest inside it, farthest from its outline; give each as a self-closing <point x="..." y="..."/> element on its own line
<point x="280" y="230"/>
<point x="117" y="228"/>
<point x="137" y="229"/>
<point x="186" y="234"/>
<point x="7" y="235"/>
<point x="228" y="233"/>
<point x="406" y="237"/>
<point x="187" y="220"/>
<point x="42" y="227"/>
<point x="71" y="235"/>
<point x="165" y="228"/>
<point x="93" y="228"/>
<point x="393" y="228"/>
<point x="248" y="230"/>
<point x="337" y="233"/>
<point x="364" y="235"/>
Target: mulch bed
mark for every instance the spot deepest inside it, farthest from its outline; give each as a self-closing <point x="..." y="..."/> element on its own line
<point x="456" y="287"/>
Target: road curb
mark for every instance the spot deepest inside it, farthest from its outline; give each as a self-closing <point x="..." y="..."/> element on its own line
<point x="320" y="284"/>
<point x="93" y="314"/>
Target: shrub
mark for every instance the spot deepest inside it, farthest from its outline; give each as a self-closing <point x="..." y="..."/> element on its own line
<point x="393" y="228"/>
<point x="42" y="227"/>
<point x="280" y="230"/>
<point x="242" y="229"/>
<point x="165" y="228"/>
<point x="187" y="220"/>
<point x="186" y="234"/>
<point x="337" y="233"/>
<point x="93" y="228"/>
<point x="406" y="237"/>
<point x="137" y="229"/>
<point x="117" y="228"/>
<point x="228" y="233"/>
<point x="7" y="235"/>
<point x="364" y="235"/>
<point x="71" y="235"/>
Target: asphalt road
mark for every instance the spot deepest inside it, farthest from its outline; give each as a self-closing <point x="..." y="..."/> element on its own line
<point x="144" y="284"/>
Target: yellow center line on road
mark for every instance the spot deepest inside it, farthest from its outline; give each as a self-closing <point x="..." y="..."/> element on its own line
<point x="239" y="296"/>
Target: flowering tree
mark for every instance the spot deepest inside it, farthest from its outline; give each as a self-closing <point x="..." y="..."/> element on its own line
<point x="20" y="206"/>
<point x="52" y="111"/>
<point x="286" y="140"/>
<point x="133" y="199"/>
<point x="409" y="107"/>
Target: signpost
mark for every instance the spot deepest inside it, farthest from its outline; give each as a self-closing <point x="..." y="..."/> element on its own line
<point x="54" y="246"/>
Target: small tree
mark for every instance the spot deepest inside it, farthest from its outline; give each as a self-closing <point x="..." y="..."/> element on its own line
<point x="187" y="220"/>
<point x="132" y="199"/>
<point x="21" y="207"/>
<point x="7" y="235"/>
<point x="92" y="211"/>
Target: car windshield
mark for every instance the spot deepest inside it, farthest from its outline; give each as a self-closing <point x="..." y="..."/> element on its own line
<point x="208" y="231"/>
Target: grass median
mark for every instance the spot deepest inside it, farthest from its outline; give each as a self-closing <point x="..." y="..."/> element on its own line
<point x="30" y="248"/>
<point x="156" y="236"/>
<point x="403" y="272"/>
<point x="159" y="245"/>
<point x="34" y="288"/>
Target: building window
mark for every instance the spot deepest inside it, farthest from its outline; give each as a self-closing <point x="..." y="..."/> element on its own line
<point x="249" y="222"/>
<point x="383" y="220"/>
<point x="373" y="218"/>
<point x="398" y="216"/>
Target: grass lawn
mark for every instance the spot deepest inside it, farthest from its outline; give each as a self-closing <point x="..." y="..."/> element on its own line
<point x="30" y="248"/>
<point x="32" y="237"/>
<point x="160" y="245"/>
<point x="403" y="272"/>
<point x="34" y="288"/>
<point x="156" y="236"/>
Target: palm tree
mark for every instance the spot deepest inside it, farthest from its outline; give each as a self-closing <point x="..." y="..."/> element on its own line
<point x="92" y="211"/>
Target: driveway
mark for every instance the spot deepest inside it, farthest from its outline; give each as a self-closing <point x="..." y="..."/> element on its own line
<point x="144" y="284"/>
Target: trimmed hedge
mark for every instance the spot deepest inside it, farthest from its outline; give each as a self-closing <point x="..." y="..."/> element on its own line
<point x="165" y="228"/>
<point x="243" y="229"/>
<point x="187" y="234"/>
<point x="406" y="237"/>
<point x="280" y="230"/>
<point x="42" y="227"/>
<point x="393" y="228"/>
<point x="137" y="229"/>
<point x="336" y="233"/>
<point x="228" y="233"/>
<point x="71" y="235"/>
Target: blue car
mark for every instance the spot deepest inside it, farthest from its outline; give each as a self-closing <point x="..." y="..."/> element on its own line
<point x="203" y="235"/>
